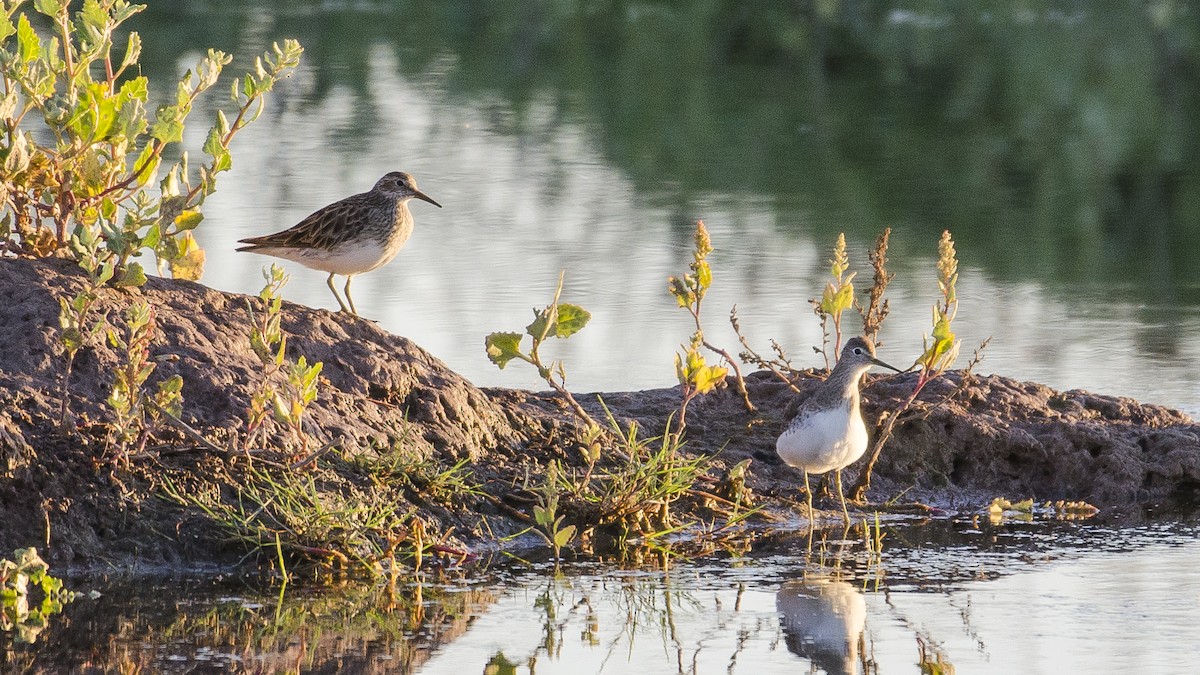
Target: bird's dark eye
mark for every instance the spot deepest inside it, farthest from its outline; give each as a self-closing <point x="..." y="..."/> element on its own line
<point x="858" y="350"/>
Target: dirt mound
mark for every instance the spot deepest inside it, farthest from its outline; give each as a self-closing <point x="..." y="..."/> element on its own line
<point x="994" y="436"/>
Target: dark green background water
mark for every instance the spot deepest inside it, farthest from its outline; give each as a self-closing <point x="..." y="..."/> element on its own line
<point x="1055" y="140"/>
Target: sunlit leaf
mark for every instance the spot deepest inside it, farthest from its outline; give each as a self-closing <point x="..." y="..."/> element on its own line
<point x="541" y="323"/>
<point x="132" y="276"/>
<point x="703" y="275"/>
<point x="28" y="44"/>
<point x="503" y="347"/>
<point x="564" y="536"/>
<point x="93" y="15"/>
<point x="168" y="124"/>
<point x="146" y="165"/>
<point x="571" y="319"/>
<point x="6" y="28"/>
<point x="152" y="236"/>
<point x="708" y="377"/>
<point x="189" y="264"/>
<point x="133" y="50"/>
<point x="188" y="220"/>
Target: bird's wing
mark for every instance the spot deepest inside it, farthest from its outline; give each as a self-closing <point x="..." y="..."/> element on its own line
<point x="325" y="228"/>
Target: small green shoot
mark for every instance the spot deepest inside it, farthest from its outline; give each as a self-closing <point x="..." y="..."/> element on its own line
<point x="837" y="298"/>
<point x="134" y="410"/>
<point x="286" y="390"/>
<point x="558" y="320"/>
<point x="689" y="292"/>
<point x="546" y="515"/>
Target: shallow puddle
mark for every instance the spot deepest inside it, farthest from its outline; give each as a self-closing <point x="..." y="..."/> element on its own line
<point x="947" y="596"/>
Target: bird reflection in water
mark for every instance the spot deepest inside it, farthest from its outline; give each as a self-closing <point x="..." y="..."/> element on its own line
<point x="823" y="621"/>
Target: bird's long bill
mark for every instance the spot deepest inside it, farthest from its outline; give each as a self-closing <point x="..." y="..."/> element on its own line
<point x="424" y="197"/>
<point x="885" y="365"/>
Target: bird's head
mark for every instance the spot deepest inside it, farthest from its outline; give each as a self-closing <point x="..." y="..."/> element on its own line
<point x="401" y="185"/>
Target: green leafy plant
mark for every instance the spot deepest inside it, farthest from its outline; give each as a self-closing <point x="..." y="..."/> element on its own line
<point x="135" y="411"/>
<point x="695" y="376"/>
<point x="78" y="327"/>
<point x="558" y="320"/>
<point x="285" y="390"/>
<point x="300" y="392"/>
<point x="546" y="516"/>
<point x="939" y="352"/>
<point x="836" y="299"/>
<point x="689" y="290"/>
<point x="279" y="510"/>
<point x="27" y="572"/>
<point x="80" y="149"/>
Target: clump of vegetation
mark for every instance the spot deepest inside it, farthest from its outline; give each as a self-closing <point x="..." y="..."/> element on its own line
<point x="559" y="320"/>
<point x="837" y="297"/>
<point x="81" y="151"/>
<point x="696" y="376"/>
<point x="25" y="573"/>
<point x="136" y="411"/>
<point x="280" y="514"/>
<point x="286" y="389"/>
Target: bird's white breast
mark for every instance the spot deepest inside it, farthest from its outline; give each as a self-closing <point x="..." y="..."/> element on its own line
<point x="824" y="440"/>
<point x="347" y="258"/>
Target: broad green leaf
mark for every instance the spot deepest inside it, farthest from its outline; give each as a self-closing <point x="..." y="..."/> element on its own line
<point x="133" y="50"/>
<point x="49" y="7"/>
<point x="146" y="165"/>
<point x="168" y="124"/>
<point x="153" y="235"/>
<point x="571" y="319"/>
<point x="189" y="264"/>
<point x="131" y="120"/>
<point x="93" y="15"/>
<point x="121" y="13"/>
<point x="133" y="276"/>
<point x="188" y="220"/>
<point x="541" y="516"/>
<point x="135" y="88"/>
<point x="708" y="377"/>
<point x="222" y="160"/>
<point x="541" y="323"/>
<point x="29" y="47"/>
<point x="564" y="536"/>
<point x="843" y="299"/>
<point x="503" y="347"/>
<point x="6" y="28"/>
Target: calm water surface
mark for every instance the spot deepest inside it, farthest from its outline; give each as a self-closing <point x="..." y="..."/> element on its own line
<point x="1053" y="142"/>
<point x="1030" y="598"/>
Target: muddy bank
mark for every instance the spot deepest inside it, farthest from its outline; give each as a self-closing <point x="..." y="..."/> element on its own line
<point x="381" y="392"/>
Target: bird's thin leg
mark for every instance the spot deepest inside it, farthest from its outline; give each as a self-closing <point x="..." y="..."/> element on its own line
<point x="837" y="476"/>
<point x="333" y="289"/>
<point x="808" y="496"/>
<point x="348" y="298"/>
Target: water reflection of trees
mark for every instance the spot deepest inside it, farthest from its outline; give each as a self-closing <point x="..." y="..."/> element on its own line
<point x="1056" y="137"/>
